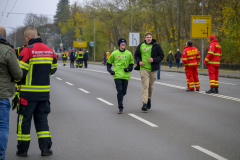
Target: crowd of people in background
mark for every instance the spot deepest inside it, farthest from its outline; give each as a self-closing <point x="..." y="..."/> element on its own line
<point x="80" y="56"/>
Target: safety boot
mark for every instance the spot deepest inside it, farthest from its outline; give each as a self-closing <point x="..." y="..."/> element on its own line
<point x="149" y="104"/>
<point x="216" y="90"/>
<point x="21" y="154"/>
<point x="212" y="90"/>
<point x="76" y="66"/>
<point x="46" y="152"/>
<point x="189" y="90"/>
<point x="144" y="107"/>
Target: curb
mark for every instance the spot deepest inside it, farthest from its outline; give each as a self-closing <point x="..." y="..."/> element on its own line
<point x="205" y="74"/>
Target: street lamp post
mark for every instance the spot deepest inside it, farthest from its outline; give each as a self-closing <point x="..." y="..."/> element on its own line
<point x="54" y="35"/>
<point x="94" y="40"/>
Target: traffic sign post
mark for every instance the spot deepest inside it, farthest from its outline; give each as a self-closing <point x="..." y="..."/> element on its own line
<point x="134" y="39"/>
<point x="80" y="44"/>
<point x="61" y="44"/>
<point x="91" y="43"/>
<point x="201" y="27"/>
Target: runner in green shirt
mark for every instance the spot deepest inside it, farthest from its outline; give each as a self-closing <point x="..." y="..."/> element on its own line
<point x="123" y="65"/>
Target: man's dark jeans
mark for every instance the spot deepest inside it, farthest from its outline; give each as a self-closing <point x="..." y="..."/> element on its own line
<point x="121" y="86"/>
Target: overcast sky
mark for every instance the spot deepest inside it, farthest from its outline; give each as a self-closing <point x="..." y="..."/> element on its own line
<point x="25" y="6"/>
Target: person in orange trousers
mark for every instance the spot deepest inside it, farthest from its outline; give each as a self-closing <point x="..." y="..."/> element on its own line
<point x="191" y="59"/>
<point x="212" y="60"/>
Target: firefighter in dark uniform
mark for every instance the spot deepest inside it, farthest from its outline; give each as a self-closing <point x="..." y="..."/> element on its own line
<point x="79" y="59"/>
<point x="38" y="62"/>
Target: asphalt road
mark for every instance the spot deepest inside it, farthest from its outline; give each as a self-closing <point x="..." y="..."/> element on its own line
<point x="180" y="126"/>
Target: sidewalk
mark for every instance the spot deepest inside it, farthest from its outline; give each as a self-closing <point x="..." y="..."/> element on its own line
<point x="222" y="73"/>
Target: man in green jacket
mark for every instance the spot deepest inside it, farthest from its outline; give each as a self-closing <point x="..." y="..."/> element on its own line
<point x="9" y="71"/>
<point x="148" y="55"/>
<point x="123" y="65"/>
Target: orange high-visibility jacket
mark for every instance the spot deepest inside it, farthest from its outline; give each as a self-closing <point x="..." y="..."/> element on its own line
<point x="190" y="56"/>
<point x="214" y="54"/>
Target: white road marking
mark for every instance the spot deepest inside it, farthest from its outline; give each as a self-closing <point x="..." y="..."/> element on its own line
<point x="105" y="101"/>
<point x="214" y="155"/>
<point x="96" y="71"/>
<point x="168" y="75"/>
<point x="59" y="78"/>
<point x="142" y="120"/>
<point x="83" y="90"/>
<point x="227" y="83"/>
<point x="69" y="83"/>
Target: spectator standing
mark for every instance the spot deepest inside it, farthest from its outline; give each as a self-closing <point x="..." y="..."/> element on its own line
<point x="104" y="58"/>
<point x="85" y="58"/>
<point x="9" y="70"/>
<point x="72" y="58"/>
<point x="170" y="59"/>
<point x="178" y="57"/>
<point x="181" y="62"/>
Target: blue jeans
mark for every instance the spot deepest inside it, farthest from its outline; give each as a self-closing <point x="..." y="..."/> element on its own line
<point x="4" y="125"/>
<point x="177" y="62"/>
<point x="170" y="64"/>
<point x="159" y="69"/>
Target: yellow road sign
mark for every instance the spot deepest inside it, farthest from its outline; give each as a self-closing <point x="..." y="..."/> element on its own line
<point x="201" y="26"/>
<point x="79" y="43"/>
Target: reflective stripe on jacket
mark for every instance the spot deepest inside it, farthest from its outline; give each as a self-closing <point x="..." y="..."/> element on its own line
<point x="190" y="56"/>
<point x="38" y="62"/>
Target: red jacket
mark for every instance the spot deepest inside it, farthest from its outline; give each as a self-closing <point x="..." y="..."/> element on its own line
<point x="214" y="54"/>
<point x="38" y="62"/>
<point x="190" y="56"/>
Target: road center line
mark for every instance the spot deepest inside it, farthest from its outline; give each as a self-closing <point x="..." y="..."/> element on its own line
<point x="105" y="101"/>
<point x="83" y="90"/>
<point x="214" y="155"/>
<point x="59" y="78"/>
<point x="142" y="120"/>
<point x="69" y="83"/>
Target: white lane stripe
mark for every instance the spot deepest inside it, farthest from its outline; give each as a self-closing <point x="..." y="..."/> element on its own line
<point x="69" y="83"/>
<point x="83" y="90"/>
<point x="214" y="155"/>
<point x="59" y="78"/>
<point x="96" y="71"/>
<point x="142" y="120"/>
<point x="227" y="83"/>
<point x="105" y="101"/>
<point x="168" y="75"/>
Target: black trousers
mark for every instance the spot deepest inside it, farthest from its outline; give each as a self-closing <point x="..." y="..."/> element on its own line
<point x="121" y="86"/>
<point x="85" y="63"/>
<point x="39" y="111"/>
<point x="72" y="63"/>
